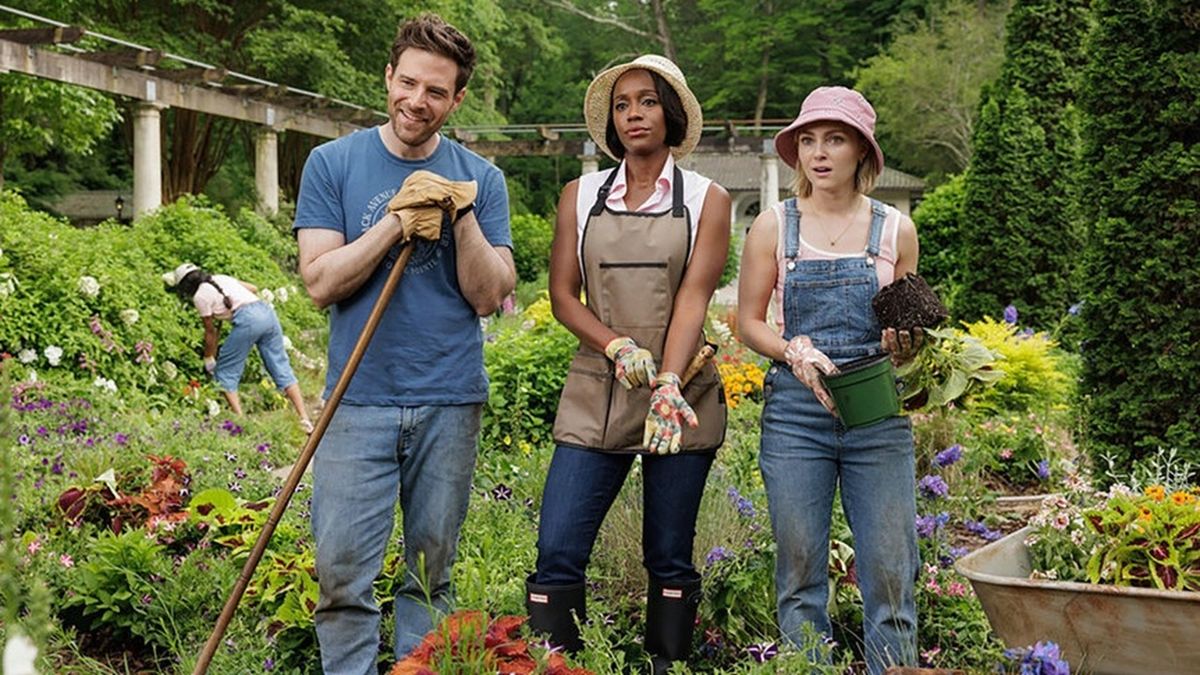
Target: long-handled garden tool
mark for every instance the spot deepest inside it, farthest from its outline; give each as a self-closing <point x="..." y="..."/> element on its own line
<point x="448" y="205"/>
<point x="298" y="469"/>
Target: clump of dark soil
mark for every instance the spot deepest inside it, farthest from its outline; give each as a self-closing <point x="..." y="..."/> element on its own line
<point x="909" y="303"/>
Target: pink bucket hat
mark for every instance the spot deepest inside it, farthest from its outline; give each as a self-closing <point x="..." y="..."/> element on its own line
<point x="837" y="104"/>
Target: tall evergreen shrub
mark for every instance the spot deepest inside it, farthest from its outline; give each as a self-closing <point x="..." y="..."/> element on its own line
<point x="1021" y="240"/>
<point x="1141" y="176"/>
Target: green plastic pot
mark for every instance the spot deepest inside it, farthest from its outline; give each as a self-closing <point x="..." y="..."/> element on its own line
<point x="864" y="390"/>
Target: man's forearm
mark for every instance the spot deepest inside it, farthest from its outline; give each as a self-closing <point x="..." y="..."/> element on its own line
<point x="486" y="274"/>
<point x="335" y="273"/>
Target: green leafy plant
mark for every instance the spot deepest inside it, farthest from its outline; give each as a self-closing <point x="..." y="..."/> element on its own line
<point x="949" y="367"/>
<point x="118" y="581"/>
<point x="532" y="236"/>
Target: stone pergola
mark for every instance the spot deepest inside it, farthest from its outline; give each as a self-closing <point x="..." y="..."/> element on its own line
<point x="147" y="76"/>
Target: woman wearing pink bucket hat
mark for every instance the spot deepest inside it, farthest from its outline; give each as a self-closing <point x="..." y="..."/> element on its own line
<point x="814" y="262"/>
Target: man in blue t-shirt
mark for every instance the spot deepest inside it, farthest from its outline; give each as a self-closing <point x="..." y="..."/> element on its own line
<point x="409" y="421"/>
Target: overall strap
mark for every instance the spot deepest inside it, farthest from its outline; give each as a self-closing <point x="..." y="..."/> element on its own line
<point x="602" y="193"/>
<point x="677" y="193"/>
<point x="878" y="214"/>
<point x="791" y="224"/>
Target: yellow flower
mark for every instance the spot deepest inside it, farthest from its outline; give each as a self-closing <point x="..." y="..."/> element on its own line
<point x="1156" y="492"/>
<point x="1180" y="498"/>
<point x="1145" y="515"/>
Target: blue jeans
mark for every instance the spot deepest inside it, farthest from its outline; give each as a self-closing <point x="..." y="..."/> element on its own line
<point x="369" y="454"/>
<point x="581" y="486"/>
<point x="253" y="324"/>
<point x="806" y="454"/>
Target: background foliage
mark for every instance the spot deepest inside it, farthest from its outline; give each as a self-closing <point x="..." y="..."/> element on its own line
<point x="1141" y="159"/>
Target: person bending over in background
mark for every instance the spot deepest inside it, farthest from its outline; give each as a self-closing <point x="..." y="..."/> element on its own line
<point x="219" y="297"/>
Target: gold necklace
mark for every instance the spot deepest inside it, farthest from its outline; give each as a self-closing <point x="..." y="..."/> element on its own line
<point x="834" y="240"/>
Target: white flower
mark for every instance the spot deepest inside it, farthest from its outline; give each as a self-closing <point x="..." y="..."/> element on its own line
<point x="19" y="655"/>
<point x="722" y="331"/>
<point x="130" y="316"/>
<point x="8" y="284"/>
<point x="53" y="354"/>
<point x="282" y="293"/>
<point x="105" y="384"/>
<point x="89" y="286"/>
<point x="27" y="356"/>
<point x="169" y="369"/>
<point x="214" y="408"/>
<point x="268" y="295"/>
<point x="33" y="376"/>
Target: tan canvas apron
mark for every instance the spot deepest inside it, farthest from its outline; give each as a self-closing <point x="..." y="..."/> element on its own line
<point x="633" y="264"/>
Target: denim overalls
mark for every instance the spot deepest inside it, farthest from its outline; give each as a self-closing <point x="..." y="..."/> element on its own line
<point x="806" y="453"/>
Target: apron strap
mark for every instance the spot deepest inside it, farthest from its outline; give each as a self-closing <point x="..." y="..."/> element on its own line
<point x="677" y="193"/>
<point x="602" y="193"/>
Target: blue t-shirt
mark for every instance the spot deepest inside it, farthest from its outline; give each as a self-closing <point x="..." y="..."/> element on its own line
<point x="428" y="348"/>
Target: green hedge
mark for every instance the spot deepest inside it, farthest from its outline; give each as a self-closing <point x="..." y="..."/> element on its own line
<point x="49" y="300"/>
<point x="1141" y="158"/>
<point x="1022" y="240"/>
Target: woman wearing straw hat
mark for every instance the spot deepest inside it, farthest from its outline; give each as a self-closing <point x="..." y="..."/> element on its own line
<point x="817" y="260"/>
<point x="646" y="241"/>
<point x="222" y="297"/>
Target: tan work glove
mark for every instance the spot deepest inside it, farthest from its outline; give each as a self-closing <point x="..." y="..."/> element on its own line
<point x="807" y="363"/>
<point x="422" y="190"/>
<point x="902" y="345"/>
<point x="634" y="365"/>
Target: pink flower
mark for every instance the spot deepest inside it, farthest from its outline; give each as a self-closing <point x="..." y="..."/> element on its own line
<point x="65" y="560"/>
<point x="1006" y="454"/>
<point x="956" y="589"/>
<point x="35" y="546"/>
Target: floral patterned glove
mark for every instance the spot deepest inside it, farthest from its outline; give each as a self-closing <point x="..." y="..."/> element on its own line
<point x="668" y="413"/>
<point x="807" y="363"/>
<point x="635" y="366"/>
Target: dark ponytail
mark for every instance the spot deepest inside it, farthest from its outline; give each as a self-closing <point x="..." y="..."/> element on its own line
<point x="189" y="284"/>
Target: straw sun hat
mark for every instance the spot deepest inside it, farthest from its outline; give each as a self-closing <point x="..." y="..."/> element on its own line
<point x="597" y="103"/>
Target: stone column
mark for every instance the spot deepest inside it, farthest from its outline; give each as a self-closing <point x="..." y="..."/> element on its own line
<point x="147" y="158"/>
<point x="589" y="158"/>
<point x="266" y="171"/>
<point x="768" y="187"/>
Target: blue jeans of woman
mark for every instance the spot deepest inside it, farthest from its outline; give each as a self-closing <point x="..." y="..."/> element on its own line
<point x="580" y="488"/>
<point x="369" y="456"/>
<point x="806" y="455"/>
<point x="253" y="324"/>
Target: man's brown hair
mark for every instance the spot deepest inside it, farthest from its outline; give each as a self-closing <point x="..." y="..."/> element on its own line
<point x="431" y="33"/>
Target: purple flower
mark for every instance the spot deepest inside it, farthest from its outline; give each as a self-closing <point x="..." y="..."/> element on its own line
<point x="948" y="456"/>
<point x="933" y="487"/>
<point x="927" y="526"/>
<point x="24" y="439"/>
<point x="120" y="439"/>
<point x="235" y="487"/>
<point x="239" y="473"/>
<point x="1043" y="469"/>
<point x="1010" y="315"/>
<point x="502" y="492"/>
<point x="763" y="651"/>
<point x="1073" y="310"/>
<point x="1044" y="658"/>
<point x="263" y="447"/>
<point x="978" y="528"/>
<point x="716" y="555"/>
<point x="269" y="664"/>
